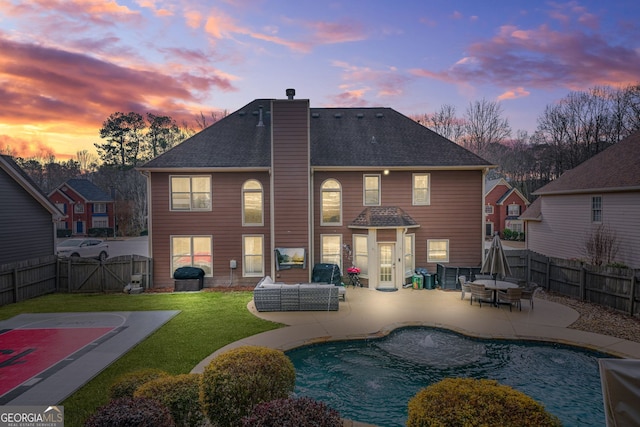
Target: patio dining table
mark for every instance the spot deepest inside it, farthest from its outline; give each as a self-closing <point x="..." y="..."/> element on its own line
<point x="495" y="286"/>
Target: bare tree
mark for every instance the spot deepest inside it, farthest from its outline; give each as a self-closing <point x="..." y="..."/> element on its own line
<point x="203" y="122"/>
<point x="484" y="125"/>
<point x="445" y="123"/>
<point x="87" y="161"/>
<point x="601" y="245"/>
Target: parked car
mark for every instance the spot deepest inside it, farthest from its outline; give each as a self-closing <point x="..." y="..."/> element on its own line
<point x="83" y="248"/>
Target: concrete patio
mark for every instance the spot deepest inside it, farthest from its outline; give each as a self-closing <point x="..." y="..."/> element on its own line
<point x="370" y="313"/>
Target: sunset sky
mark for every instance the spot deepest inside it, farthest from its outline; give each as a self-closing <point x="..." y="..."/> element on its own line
<point x="66" y="65"/>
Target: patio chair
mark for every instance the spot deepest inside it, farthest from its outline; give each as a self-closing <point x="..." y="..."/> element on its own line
<point x="528" y="292"/>
<point x="464" y="285"/>
<point x="511" y="296"/>
<point x="480" y="294"/>
<point x="483" y="276"/>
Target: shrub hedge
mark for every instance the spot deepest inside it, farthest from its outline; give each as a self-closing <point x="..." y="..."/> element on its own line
<point x="126" y="384"/>
<point x="234" y="382"/>
<point x="131" y="412"/>
<point x="469" y="402"/>
<point x="292" y="412"/>
<point x="179" y="393"/>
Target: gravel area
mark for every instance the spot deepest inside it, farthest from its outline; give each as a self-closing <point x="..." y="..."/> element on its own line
<point x="598" y="319"/>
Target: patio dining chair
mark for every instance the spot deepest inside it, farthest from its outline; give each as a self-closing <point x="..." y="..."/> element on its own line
<point x="511" y="296"/>
<point x="528" y="292"/>
<point x="480" y="294"/>
<point x="464" y="285"/>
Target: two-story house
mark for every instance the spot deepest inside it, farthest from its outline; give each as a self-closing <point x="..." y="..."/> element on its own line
<point x="503" y="206"/>
<point x="85" y="205"/>
<point x="27" y="217"/>
<point x="278" y="186"/>
<point x="600" y="198"/>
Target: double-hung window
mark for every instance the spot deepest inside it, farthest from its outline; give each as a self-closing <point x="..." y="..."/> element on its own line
<point x="438" y="250"/>
<point x="331" y="247"/>
<point x="421" y="193"/>
<point x="192" y="251"/>
<point x="596" y="209"/>
<point x="409" y="258"/>
<point x="190" y="193"/>
<point x="371" y="190"/>
<point x="252" y="206"/>
<point x="361" y="253"/>
<point x="253" y="255"/>
<point x="513" y="210"/>
<point x="331" y="202"/>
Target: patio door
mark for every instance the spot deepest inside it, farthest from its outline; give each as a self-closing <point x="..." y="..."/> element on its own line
<point x="387" y="268"/>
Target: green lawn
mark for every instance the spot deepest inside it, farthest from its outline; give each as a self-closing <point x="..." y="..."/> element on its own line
<point x="207" y="322"/>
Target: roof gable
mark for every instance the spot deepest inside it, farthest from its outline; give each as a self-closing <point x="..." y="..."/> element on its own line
<point x="86" y="189"/>
<point x="15" y="171"/>
<point x="615" y="168"/>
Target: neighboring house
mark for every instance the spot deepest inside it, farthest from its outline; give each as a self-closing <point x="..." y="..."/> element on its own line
<point x="85" y="206"/>
<point x="27" y="217"/>
<point x="604" y="191"/>
<point x="277" y="186"/>
<point x="503" y="206"/>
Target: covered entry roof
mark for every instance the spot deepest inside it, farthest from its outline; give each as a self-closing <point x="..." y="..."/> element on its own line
<point x="383" y="217"/>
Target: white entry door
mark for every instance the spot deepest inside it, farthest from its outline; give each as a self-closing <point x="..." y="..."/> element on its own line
<point x="387" y="266"/>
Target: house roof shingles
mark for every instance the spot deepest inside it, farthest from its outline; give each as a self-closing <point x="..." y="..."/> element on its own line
<point x="616" y="168"/>
<point x="382" y="217"/>
<point x="88" y="190"/>
<point x="339" y="137"/>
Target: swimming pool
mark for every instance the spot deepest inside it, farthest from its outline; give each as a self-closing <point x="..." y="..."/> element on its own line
<point x="372" y="380"/>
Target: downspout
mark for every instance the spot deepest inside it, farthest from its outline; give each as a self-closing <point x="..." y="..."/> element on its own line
<point x="485" y="171"/>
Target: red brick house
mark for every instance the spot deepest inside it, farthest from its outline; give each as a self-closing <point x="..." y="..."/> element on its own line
<point x="85" y="206"/>
<point x="503" y="206"/>
<point x="277" y="186"/>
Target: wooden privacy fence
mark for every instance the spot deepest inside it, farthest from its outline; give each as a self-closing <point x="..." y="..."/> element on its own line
<point x="28" y="279"/>
<point x="612" y="287"/>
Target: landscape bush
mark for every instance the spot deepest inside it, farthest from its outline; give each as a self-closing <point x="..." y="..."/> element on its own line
<point x="131" y="412"/>
<point x="237" y="380"/>
<point x="180" y="394"/>
<point x="292" y="412"/>
<point x="469" y="402"/>
<point x="126" y="384"/>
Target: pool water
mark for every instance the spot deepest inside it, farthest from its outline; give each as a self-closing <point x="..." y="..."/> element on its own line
<point x="372" y="381"/>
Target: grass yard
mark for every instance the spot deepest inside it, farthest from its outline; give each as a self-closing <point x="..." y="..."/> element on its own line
<point x="207" y="322"/>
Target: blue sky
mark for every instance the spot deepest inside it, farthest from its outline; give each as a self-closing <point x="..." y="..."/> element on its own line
<point x="66" y="65"/>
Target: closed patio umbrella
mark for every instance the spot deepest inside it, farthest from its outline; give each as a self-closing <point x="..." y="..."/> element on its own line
<point x="496" y="261"/>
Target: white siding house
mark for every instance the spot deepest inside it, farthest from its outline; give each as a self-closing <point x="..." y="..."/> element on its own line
<point x="602" y="192"/>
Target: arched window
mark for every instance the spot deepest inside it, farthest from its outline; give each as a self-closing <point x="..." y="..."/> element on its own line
<point x="331" y="202"/>
<point x="252" y="205"/>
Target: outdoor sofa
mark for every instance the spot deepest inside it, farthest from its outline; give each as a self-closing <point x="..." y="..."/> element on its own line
<point x="271" y="296"/>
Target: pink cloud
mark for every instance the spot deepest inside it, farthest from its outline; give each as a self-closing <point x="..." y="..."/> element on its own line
<point x="518" y="92"/>
<point x="21" y="147"/>
<point x="542" y="58"/>
<point x="350" y="98"/>
<point x="336" y="32"/>
<point x="96" y="12"/>
<point x="387" y="82"/>
<point x="52" y="85"/>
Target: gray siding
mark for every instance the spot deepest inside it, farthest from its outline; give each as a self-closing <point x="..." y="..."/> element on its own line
<point x="566" y="223"/>
<point x="26" y="227"/>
